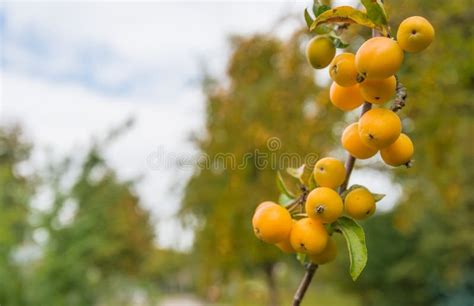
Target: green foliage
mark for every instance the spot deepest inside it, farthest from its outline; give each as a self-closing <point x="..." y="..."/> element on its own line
<point x="318" y="9"/>
<point x="16" y="189"/>
<point x="86" y="259"/>
<point x="107" y="239"/>
<point x="169" y="270"/>
<point x="15" y="193"/>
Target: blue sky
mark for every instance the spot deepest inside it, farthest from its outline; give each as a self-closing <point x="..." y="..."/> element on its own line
<point x="71" y="71"/>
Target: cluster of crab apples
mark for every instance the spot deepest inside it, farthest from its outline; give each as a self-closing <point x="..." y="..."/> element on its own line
<point x="367" y="76"/>
<point x="275" y="224"/>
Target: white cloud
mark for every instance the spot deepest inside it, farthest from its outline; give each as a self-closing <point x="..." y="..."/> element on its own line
<point x="66" y="117"/>
<point x="147" y="30"/>
<point x="145" y="42"/>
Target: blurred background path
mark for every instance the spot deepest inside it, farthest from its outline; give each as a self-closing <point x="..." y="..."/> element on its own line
<point x="181" y="300"/>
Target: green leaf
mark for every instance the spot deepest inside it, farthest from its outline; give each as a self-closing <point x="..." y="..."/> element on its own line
<point x="339" y="44"/>
<point x="282" y="186"/>
<point x="375" y="11"/>
<point x="307" y="18"/>
<point x="301" y="258"/>
<point x="322" y="29"/>
<point x="284" y="199"/>
<point x="346" y="14"/>
<point x="321" y="9"/>
<point x="378" y="196"/>
<point x="296" y="172"/>
<point x="355" y="239"/>
<point x="315" y="7"/>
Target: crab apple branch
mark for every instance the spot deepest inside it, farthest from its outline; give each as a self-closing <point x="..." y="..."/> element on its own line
<point x="367" y="80"/>
<point x="400" y="97"/>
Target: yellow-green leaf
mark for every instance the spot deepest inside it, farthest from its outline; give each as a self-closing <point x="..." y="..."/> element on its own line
<point x="301" y="258"/>
<point x="378" y="196"/>
<point x="346" y="14"/>
<point x="284" y="199"/>
<point x="312" y="182"/>
<point x="282" y="186"/>
<point x="296" y="172"/>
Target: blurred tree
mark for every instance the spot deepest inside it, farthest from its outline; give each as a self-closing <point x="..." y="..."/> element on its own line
<point x="15" y="193"/>
<point x="267" y="109"/>
<point x="98" y="236"/>
<point x="170" y="270"/>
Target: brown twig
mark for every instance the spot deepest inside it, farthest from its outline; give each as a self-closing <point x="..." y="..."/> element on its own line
<point x="400" y="96"/>
<point x="300" y="200"/>
<point x="351" y="159"/>
<point x="308" y="276"/>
